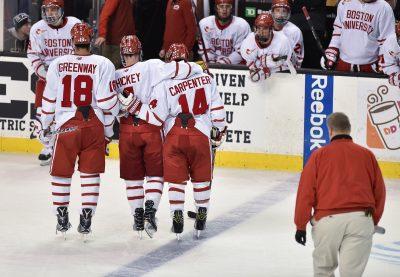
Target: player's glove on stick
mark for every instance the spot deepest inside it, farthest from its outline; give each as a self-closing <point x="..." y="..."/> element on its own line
<point x="329" y="61"/>
<point x="217" y="136"/>
<point x="301" y="237"/>
<point x="130" y="104"/>
<point x="45" y="136"/>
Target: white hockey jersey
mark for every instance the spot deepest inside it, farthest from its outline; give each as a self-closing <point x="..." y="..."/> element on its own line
<point x="223" y="43"/>
<point x="74" y="81"/>
<point x="293" y="33"/>
<point x="391" y="55"/>
<point x="141" y="77"/>
<point x="196" y="95"/>
<point x="47" y="43"/>
<point x="254" y="55"/>
<point x="360" y="29"/>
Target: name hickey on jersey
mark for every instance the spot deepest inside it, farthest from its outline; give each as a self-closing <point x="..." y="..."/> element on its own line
<point x="189" y="84"/>
<point x="77" y="67"/>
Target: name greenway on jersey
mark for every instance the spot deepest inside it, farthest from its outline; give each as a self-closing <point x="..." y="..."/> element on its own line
<point x="77" y="67"/>
<point x="357" y="24"/>
<point x="189" y="84"/>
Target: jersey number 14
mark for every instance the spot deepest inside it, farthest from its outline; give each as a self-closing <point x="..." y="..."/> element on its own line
<point x="200" y="105"/>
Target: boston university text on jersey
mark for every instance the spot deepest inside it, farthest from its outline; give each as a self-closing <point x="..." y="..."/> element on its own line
<point x="361" y="22"/>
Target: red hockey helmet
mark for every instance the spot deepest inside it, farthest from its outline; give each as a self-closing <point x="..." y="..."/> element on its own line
<point x="53" y="11"/>
<point x="81" y="33"/>
<point x="217" y="2"/>
<point x="280" y="10"/>
<point x="263" y="28"/>
<point x="130" y="45"/>
<point x="177" y="51"/>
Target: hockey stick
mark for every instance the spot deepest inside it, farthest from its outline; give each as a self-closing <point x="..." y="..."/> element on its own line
<point x="380" y="230"/>
<point x="311" y="25"/>
<point x="207" y="61"/>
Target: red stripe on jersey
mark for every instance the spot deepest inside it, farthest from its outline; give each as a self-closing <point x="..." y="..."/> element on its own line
<point x="381" y="40"/>
<point x="217" y="108"/>
<point x="48" y="100"/>
<point x="44" y="112"/>
<point x="90" y="185"/>
<point x="201" y="189"/>
<point x="90" y="176"/>
<point x="190" y="70"/>
<point x="108" y="125"/>
<point x="147" y="116"/>
<point x="60" y="193"/>
<point x="158" y="119"/>
<point x="114" y="104"/>
<point x="336" y="35"/>
<point x="136" y="197"/>
<point x="153" y="190"/>
<point x="137" y="187"/>
<point x="107" y="113"/>
<point x="337" y="26"/>
<point x="90" y="194"/>
<point x="60" y="185"/>
<point x="177" y="190"/>
<point x="219" y="120"/>
<point x="176" y="70"/>
<point x="155" y="181"/>
<point x="176" y="201"/>
<point x="60" y="203"/>
<point x="107" y="98"/>
<point x="89" y="204"/>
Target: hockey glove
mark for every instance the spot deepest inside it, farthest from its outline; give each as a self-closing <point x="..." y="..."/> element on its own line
<point x="301" y="237"/>
<point x="217" y="137"/>
<point x="394" y="79"/>
<point x="130" y="104"/>
<point x="106" y="148"/>
<point x="45" y="136"/>
<point x="272" y="61"/>
<point x="331" y="55"/>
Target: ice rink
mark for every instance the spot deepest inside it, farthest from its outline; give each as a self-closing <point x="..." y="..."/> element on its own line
<point x="250" y="229"/>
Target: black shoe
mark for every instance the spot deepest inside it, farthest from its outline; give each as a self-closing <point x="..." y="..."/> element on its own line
<point x="201" y="218"/>
<point x="177" y="222"/>
<point x="85" y="221"/>
<point x="139" y="219"/>
<point x="44" y="159"/>
<point x="150" y="214"/>
<point x="62" y="220"/>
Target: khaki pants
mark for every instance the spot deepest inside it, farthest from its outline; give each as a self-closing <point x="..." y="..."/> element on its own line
<point x="347" y="234"/>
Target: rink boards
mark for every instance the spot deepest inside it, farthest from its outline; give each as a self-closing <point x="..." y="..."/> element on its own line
<point x="273" y="124"/>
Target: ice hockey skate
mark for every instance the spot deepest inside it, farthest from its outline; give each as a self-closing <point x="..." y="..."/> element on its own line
<point x="45" y="156"/>
<point x="177" y="223"/>
<point x="150" y="218"/>
<point x="85" y="222"/>
<point x="200" y="223"/>
<point x="139" y="221"/>
<point x="63" y="224"/>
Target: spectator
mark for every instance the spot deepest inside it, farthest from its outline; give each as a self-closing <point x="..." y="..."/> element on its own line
<point x="342" y="182"/>
<point x="150" y="25"/>
<point x="223" y="34"/>
<point x="180" y="25"/>
<point x="116" y="21"/>
<point x="356" y="40"/>
<point x="20" y="33"/>
<point x="317" y="10"/>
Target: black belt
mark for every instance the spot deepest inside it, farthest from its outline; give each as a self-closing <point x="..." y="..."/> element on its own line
<point x="84" y="110"/>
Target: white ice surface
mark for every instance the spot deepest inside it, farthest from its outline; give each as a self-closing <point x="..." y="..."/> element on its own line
<point x="250" y="229"/>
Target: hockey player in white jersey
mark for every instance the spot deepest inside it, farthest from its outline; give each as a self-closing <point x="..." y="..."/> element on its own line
<point x="223" y="34"/>
<point x="360" y="29"/>
<point x="140" y="143"/>
<point x="265" y="50"/>
<point x="187" y="109"/>
<point x="77" y="93"/>
<point x="49" y="39"/>
<point x="280" y="11"/>
<point x="391" y="57"/>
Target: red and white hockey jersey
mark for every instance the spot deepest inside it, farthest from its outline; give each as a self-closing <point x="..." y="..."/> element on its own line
<point x="391" y="55"/>
<point x="141" y="77"/>
<point x="293" y="33"/>
<point x="47" y="43"/>
<point x="255" y="55"/>
<point x="196" y="95"/>
<point x="360" y="29"/>
<point x="223" y="43"/>
<point x="74" y="81"/>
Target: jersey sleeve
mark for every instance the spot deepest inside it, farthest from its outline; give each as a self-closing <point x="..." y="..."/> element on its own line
<point x="298" y="50"/>
<point x="235" y="56"/>
<point x="49" y="96"/>
<point x="386" y="25"/>
<point x="217" y="110"/>
<point x="105" y="95"/>
<point x="337" y="28"/>
<point x="157" y="110"/>
<point x="248" y="52"/>
<point x="34" y="54"/>
<point x="109" y="120"/>
<point x="173" y="70"/>
<point x="207" y="42"/>
<point x="390" y="50"/>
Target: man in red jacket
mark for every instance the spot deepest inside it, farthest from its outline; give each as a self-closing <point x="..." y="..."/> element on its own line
<point x="343" y="184"/>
